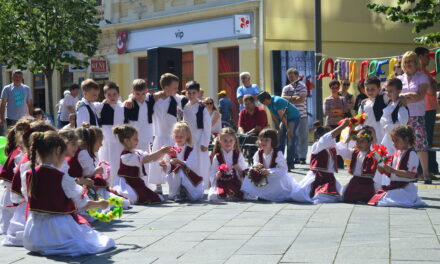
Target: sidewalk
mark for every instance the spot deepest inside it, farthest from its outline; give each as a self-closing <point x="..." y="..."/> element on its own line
<point x="259" y="232"/>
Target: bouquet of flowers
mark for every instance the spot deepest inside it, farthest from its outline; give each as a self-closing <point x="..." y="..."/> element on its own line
<point x="174" y="151"/>
<point x="356" y="120"/>
<point x="226" y="172"/>
<point x="116" y="212"/>
<point x="380" y="155"/>
<point x="256" y="176"/>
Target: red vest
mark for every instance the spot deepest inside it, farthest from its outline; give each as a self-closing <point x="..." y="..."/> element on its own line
<point x="16" y="180"/>
<point x="403" y="164"/>
<point x="127" y="171"/>
<point x="273" y="163"/>
<point x="49" y="196"/>
<point x="221" y="159"/>
<point x="368" y="167"/>
<point x="320" y="161"/>
<point x="7" y="172"/>
<point x="75" y="169"/>
<point x="192" y="176"/>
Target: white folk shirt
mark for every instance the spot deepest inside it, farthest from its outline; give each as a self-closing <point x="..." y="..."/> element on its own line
<point x="200" y="137"/>
<point x="144" y="128"/>
<point x="324" y="143"/>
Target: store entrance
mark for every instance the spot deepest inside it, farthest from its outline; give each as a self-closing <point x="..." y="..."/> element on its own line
<point x="228" y="76"/>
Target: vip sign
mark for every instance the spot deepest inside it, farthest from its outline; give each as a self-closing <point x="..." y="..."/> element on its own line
<point x="99" y="66"/>
<point x="242" y="24"/>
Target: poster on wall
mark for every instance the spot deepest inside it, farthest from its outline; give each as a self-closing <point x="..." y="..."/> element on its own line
<point x="304" y="62"/>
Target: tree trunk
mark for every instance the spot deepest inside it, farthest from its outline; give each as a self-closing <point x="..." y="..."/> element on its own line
<point x="50" y="109"/>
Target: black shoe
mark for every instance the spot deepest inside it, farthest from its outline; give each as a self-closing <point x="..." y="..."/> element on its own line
<point x="427" y="182"/>
<point x="296" y="161"/>
<point x="303" y="162"/>
<point x="291" y="168"/>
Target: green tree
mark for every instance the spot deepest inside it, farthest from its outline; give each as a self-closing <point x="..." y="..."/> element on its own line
<point x="42" y="35"/>
<point x="423" y="14"/>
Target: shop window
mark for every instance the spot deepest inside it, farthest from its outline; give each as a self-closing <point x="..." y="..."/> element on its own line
<point x="228" y="76"/>
<point x="143" y="68"/>
<point x="187" y="67"/>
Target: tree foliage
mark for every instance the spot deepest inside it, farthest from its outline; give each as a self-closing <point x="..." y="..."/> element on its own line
<point x="423" y="14"/>
<point x="45" y="35"/>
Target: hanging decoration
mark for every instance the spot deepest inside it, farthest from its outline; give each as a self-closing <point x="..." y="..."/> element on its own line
<point x="391" y="71"/>
<point x="328" y="63"/>
<point x="346" y="68"/>
<point x="364" y="67"/>
<point x="379" y="70"/>
<point x="353" y="69"/>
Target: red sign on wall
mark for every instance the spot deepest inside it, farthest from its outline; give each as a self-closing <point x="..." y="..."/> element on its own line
<point x="99" y="66"/>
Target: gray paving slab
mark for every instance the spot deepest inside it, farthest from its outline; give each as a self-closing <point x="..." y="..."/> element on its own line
<point x="260" y="232"/>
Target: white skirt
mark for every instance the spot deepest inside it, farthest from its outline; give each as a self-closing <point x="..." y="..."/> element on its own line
<point x="122" y="187"/>
<point x="14" y="235"/>
<point x="50" y="234"/>
<point x="179" y="179"/>
<point x="6" y="212"/>
<point x="111" y="151"/>
<point x="402" y="197"/>
<point x="279" y="188"/>
<point x="302" y="192"/>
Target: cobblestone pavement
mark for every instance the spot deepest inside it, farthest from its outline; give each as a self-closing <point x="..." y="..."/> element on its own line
<point x="259" y="232"/>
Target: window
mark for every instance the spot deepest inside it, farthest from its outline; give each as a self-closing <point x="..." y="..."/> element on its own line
<point x="187" y="67"/>
<point x="228" y="76"/>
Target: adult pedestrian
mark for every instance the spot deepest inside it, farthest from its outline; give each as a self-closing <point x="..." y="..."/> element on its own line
<point x="430" y="107"/>
<point x="286" y="118"/>
<point x="347" y="97"/>
<point x="246" y="88"/>
<point x="252" y="118"/>
<point x="69" y="102"/>
<point x="225" y="108"/>
<point x="216" y="121"/>
<point x="16" y="99"/>
<point x="296" y="92"/>
<point x="415" y="84"/>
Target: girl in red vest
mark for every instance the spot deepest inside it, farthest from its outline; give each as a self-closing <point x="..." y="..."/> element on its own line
<point x="226" y="173"/>
<point x="15" y="231"/>
<point x="403" y="173"/>
<point x="276" y="185"/>
<point x="362" y="167"/>
<point x="52" y="226"/>
<point x="182" y="166"/>
<point x="14" y="153"/>
<point x="320" y="184"/>
<point x="129" y="182"/>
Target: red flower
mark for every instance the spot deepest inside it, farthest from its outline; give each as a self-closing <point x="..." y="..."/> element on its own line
<point x="173" y="151"/>
<point x="224" y="168"/>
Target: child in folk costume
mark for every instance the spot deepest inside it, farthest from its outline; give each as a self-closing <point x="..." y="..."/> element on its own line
<point x="52" y="226"/>
<point x="227" y="167"/>
<point x="394" y="114"/>
<point x="85" y="110"/>
<point x="362" y="166"/>
<point x="14" y="153"/>
<point x="84" y="163"/>
<point x="181" y="165"/>
<point x="14" y="235"/>
<point x="320" y="184"/>
<point x="129" y="182"/>
<point x="164" y="118"/>
<point x="401" y="191"/>
<point x="373" y="106"/>
<point x="140" y="116"/>
<point x="275" y="185"/>
<point x="110" y="113"/>
<point x="199" y="121"/>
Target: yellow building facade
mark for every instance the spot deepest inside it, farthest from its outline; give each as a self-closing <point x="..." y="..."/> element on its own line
<point x="349" y="29"/>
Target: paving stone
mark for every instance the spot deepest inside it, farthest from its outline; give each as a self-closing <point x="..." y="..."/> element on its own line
<point x="213" y="250"/>
<point x="254" y="259"/>
<point x="266" y="245"/>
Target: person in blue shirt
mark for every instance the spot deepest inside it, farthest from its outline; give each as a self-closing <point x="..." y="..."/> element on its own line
<point x="286" y="118"/>
<point x="246" y="88"/>
<point x="225" y="108"/>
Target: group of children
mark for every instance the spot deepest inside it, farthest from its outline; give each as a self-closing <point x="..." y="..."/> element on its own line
<point x="121" y="149"/>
